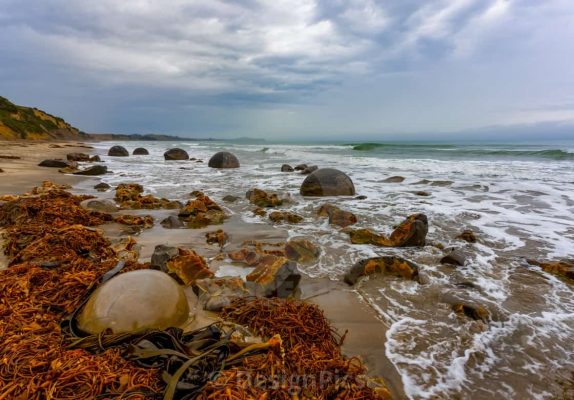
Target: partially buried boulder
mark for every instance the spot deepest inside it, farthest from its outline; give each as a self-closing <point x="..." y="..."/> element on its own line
<point x="172" y="222"/>
<point x="56" y="164"/>
<point x="185" y="265"/>
<point x="263" y="199"/>
<point x="230" y="199"/>
<point x="118" y="151"/>
<point x="176" y="154"/>
<point x="309" y="170"/>
<point x="102" y="187"/>
<point x="327" y="182"/>
<point x="92" y="171"/>
<point x="286" y="168"/>
<point x="337" y="216"/>
<point x="223" y="159"/>
<point x="386" y="265"/>
<point x="302" y="251"/>
<point x="81" y="157"/>
<point x="217" y="293"/>
<point x="274" y="277"/>
<point x="100" y="205"/>
<point x="300" y="167"/>
<point x="411" y="232"/>
<point x="455" y="257"/>
<point x="394" y="179"/>
<point x="140" y="151"/>
<point x="133" y="301"/>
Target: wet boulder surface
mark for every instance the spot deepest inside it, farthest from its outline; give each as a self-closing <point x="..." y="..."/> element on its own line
<point x="327" y="182"/>
<point x="337" y="216"/>
<point x="223" y="159"/>
<point x="93" y="171"/>
<point x="136" y="300"/>
<point x="140" y="151"/>
<point x="176" y="154"/>
<point x="118" y="151"/>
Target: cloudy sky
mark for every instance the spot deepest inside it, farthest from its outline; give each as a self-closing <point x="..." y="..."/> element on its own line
<point x="292" y="69"/>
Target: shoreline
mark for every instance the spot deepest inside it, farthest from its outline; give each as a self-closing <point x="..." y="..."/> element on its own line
<point x="340" y="304"/>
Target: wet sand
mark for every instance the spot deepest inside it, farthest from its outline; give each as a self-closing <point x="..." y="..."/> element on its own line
<point x="342" y="306"/>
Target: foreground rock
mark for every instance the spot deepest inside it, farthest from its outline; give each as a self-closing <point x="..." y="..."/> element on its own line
<point x="201" y="211"/>
<point x="327" y="182"/>
<point x="217" y="293"/>
<point x="176" y="154"/>
<point x="302" y="251"/>
<point x="411" y="232"/>
<point x="184" y="265"/>
<point x="262" y="199"/>
<point x="223" y="159"/>
<point x="274" y="277"/>
<point x="136" y="300"/>
<point x="285" y="216"/>
<point x="57" y="164"/>
<point x="286" y="168"/>
<point x="140" y="151"/>
<point x="118" y="151"/>
<point x="337" y="216"/>
<point x="386" y="265"/>
<point x="93" y="171"/>
<point x="478" y="313"/>
<point x="564" y="268"/>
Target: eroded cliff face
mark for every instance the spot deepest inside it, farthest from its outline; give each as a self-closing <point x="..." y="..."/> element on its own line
<point x="18" y="122"/>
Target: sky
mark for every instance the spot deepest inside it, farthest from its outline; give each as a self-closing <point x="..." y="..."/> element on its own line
<point x="296" y="69"/>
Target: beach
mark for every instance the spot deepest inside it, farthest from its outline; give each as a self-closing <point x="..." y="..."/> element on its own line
<point x="404" y="330"/>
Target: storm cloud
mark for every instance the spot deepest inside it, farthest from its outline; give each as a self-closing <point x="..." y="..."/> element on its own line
<point x="290" y="68"/>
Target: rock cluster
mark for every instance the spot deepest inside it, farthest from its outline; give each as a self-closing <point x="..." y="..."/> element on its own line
<point x="129" y="196"/>
<point x="263" y="199"/>
<point x="411" y="232"/>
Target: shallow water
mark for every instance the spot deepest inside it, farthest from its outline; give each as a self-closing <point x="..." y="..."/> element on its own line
<point x="518" y="200"/>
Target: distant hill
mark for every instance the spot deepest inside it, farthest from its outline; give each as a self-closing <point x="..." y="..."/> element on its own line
<point x="18" y="122"/>
<point x="139" y="137"/>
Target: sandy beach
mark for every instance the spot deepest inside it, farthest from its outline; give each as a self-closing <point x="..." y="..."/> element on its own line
<point x="342" y="307"/>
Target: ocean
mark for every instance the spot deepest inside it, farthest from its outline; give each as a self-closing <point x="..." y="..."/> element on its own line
<point x="518" y="199"/>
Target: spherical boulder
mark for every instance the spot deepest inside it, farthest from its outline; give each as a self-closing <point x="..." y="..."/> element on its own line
<point x="176" y="154"/>
<point x="140" y="151"/>
<point x="223" y="159"/>
<point x="136" y="300"/>
<point x="118" y="151"/>
<point x="327" y="182"/>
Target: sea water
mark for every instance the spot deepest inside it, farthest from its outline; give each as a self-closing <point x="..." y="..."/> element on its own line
<point x="519" y="201"/>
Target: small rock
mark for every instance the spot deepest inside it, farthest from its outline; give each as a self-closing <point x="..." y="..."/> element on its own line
<point x="230" y="199"/>
<point x="454" y="258"/>
<point x="223" y="159"/>
<point x="300" y="167"/>
<point x="302" y="251"/>
<point x="140" y="151"/>
<point x="100" y="205"/>
<point x="285" y="216"/>
<point x="337" y="216"/>
<point x="249" y="257"/>
<point x="286" y="168"/>
<point x="327" y="182"/>
<point x="467" y="236"/>
<point x="361" y="197"/>
<point x="259" y="212"/>
<point x="144" y="222"/>
<point x="387" y="265"/>
<point x="422" y="193"/>
<point x="102" y="186"/>
<point x="81" y="157"/>
<point x="309" y="170"/>
<point x="217" y="293"/>
<point x="274" y="277"/>
<point x="1" y="170"/>
<point x="196" y="193"/>
<point x="161" y="255"/>
<point x="176" y="154"/>
<point x="95" y="170"/>
<point x="394" y="179"/>
<point x="218" y="237"/>
<point x="118" y="151"/>
<point x="262" y="199"/>
<point x="561" y="268"/>
<point x="466" y="285"/>
<point x="56" y="164"/>
<point x="172" y="222"/>
<point x="95" y="158"/>
<point x="478" y="313"/>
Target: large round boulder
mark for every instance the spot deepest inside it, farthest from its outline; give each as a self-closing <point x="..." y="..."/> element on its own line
<point x="327" y="182"/>
<point x="137" y="300"/>
<point x="176" y="154"/>
<point x="223" y="159"/>
<point x="118" y="151"/>
<point x="140" y="151"/>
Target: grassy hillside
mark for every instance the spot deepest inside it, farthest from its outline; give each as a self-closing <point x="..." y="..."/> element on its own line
<point x="17" y="122"/>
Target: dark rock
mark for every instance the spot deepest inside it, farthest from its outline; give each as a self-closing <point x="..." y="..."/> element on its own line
<point x="55" y="164"/>
<point x="274" y="277"/>
<point x="302" y="251"/>
<point x="118" y="151"/>
<point x="172" y="222"/>
<point x="300" y="167"/>
<point x="176" y="154"/>
<point x="223" y="159"/>
<point x="467" y="236"/>
<point x="286" y="168"/>
<point x="454" y="258"/>
<point x="10" y="157"/>
<point x="263" y="199"/>
<point x="478" y="313"/>
<point x="466" y="285"/>
<point x="217" y="293"/>
<point x="1" y="170"/>
<point x="442" y="183"/>
<point x="563" y="268"/>
<point x="285" y="216"/>
<point x="361" y="197"/>
<point x="140" y="151"/>
<point x="387" y="265"/>
<point x="81" y="157"/>
<point x="95" y="170"/>
<point x="103" y="205"/>
<point x="218" y="237"/>
<point x="327" y="182"/>
<point x="422" y="193"/>
<point x="394" y="179"/>
<point x="337" y="216"/>
<point x="102" y="186"/>
<point x="411" y="232"/>
<point x="161" y="255"/>
<point x="230" y="199"/>
<point x="309" y="170"/>
<point x="95" y="158"/>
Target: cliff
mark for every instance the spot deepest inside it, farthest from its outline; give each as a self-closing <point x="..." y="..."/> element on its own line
<point x="18" y="122"/>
